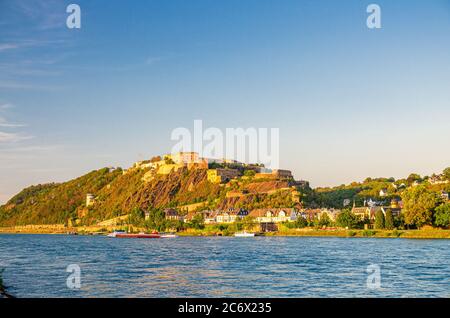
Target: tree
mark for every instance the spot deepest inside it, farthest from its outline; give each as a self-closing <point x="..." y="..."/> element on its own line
<point x="389" y="220"/>
<point x="446" y="173"/>
<point x="324" y="220"/>
<point x="413" y="177"/>
<point x="347" y="219"/>
<point x="419" y="204"/>
<point x="156" y="220"/>
<point x="136" y="217"/>
<point x="442" y="215"/>
<point x="300" y="223"/>
<point x="249" y="173"/>
<point x="379" y="220"/>
<point x="197" y="222"/>
<point x="168" y="160"/>
<point x="248" y="223"/>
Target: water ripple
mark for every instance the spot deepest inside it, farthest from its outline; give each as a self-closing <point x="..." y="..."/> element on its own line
<point x="224" y="267"/>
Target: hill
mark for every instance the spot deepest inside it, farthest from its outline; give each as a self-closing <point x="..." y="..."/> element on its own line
<point x="118" y="193"/>
<point x="159" y="183"/>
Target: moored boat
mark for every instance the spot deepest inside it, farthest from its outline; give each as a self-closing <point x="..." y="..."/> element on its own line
<point x="244" y="234"/>
<point x="168" y="235"/>
<point x="114" y="234"/>
<point x="121" y="234"/>
<point x="138" y="235"/>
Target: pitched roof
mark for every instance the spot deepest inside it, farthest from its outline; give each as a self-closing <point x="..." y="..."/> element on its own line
<point x="263" y="212"/>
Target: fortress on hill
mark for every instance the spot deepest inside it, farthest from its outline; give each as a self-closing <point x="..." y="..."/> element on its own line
<point x="218" y="170"/>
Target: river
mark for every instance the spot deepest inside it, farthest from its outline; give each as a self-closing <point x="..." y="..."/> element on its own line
<point x="36" y="266"/>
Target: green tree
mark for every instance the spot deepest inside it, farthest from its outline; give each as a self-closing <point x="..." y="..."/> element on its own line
<point x="249" y="173"/>
<point x="347" y="219"/>
<point x="379" y="220"/>
<point x="248" y="222"/>
<point x="300" y="223"/>
<point x="197" y="222"/>
<point x="324" y="220"/>
<point x="168" y="161"/>
<point x="442" y="215"/>
<point x="413" y="177"/>
<point x="136" y="217"/>
<point x="156" y="220"/>
<point x="399" y="221"/>
<point x="446" y="173"/>
<point x="389" y="220"/>
<point x="419" y="204"/>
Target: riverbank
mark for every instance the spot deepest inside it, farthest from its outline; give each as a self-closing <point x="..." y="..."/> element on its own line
<point x="312" y="232"/>
<point x="427" y="233"/>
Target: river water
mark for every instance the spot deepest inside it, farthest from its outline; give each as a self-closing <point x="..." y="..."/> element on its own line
<point x="36" y="266"/>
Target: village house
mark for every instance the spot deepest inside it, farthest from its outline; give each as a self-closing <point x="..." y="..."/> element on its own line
<point x="316" y="214"/>
<point x="172" y="214"/>
<point x="231" y="215"/>
<point x="437" y="179"/>
<point x="361" y="212"/>
<point x="383" y="192"/>
<point x="209" y="217"/>
<point x="369" y="212"/>
<point x="395" y="208"/>
<point x="310" y="214"/>
<point x="276" y="215"/>
<point x="189" y="216"/>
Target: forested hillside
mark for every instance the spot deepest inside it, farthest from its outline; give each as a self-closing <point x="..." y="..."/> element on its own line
<point x="118" y="193"/>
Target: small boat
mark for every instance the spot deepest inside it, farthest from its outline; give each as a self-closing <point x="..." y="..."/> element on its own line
<point x="244" y="234"/>
<point x="168" y="235"/>
<point x="122" y="234"/>
<point x="113" y="234"/>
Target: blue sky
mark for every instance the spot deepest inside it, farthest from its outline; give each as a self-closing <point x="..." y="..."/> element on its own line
<point x="350" y="102"/>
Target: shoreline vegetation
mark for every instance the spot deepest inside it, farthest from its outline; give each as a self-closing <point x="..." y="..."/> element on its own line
<point x="424" y="233"/>
<point x="193" y="196"/>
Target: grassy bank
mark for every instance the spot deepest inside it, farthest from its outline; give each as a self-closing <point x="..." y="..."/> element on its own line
<point x="412" y="234"/>
<point x="428" y="233"/>
<point x="311" y="232"/>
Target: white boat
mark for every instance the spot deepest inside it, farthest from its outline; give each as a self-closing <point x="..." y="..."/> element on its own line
<point x="168" y="235"/>
<point x="244" y="234"/>
<point x="114" y="234"/>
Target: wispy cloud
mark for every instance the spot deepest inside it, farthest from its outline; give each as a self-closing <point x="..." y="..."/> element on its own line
<point x="6" y="137"/>
<point x="44" y="15"/>
<point x="6" y="106"/>
<point x="19" y="86"/>
<point x="8" y="46"/>
<point x="5" y="123"/>
<point x="29" y="43"/>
